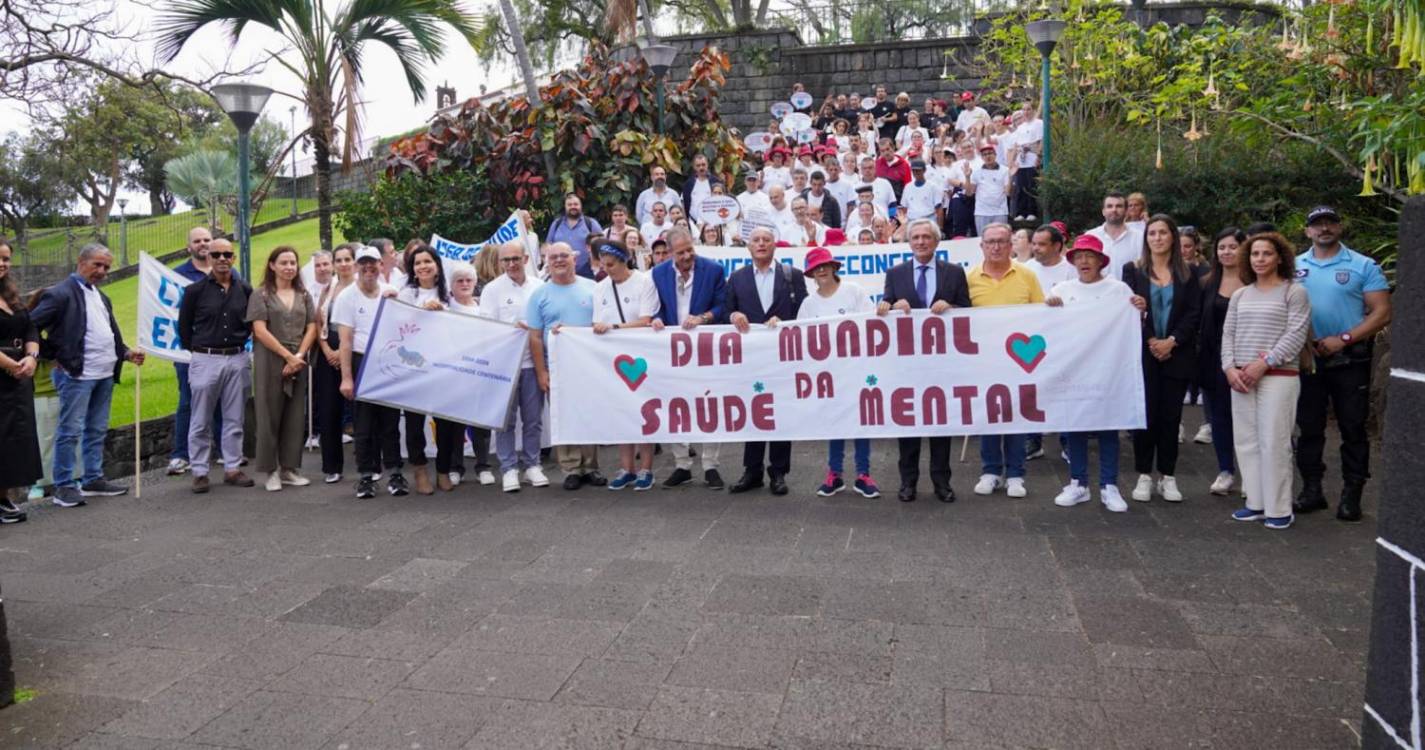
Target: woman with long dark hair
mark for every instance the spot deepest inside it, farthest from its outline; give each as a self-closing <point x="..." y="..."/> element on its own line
<point x="284" y="325"/>
<point x="330" y="405"/>
<point x="1221" y="281"/>
<point x="1163" y="278"/>
<point x="19" y="355"/>
<point x="425" y="287"/>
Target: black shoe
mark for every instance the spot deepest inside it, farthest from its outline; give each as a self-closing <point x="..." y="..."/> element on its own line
<point x="906" y="494"/>
<point x="102" y="488"/>
<point x="749" y="481"/>
<point x="397" y="486"/>
<point x="365" y="487"/>
<point x="573" y="482"/>
<point x="713" y="479"/>
<point x="595" y="479"/>
<point x="678" y="477"/>
<point x="8" y="506"/>
<point x="945" y="494"/>
<point x="12" y="516"/>
<point x="1350" y="507"/>
<point x="778" y="484"/>
<point x="1311" y="498"/>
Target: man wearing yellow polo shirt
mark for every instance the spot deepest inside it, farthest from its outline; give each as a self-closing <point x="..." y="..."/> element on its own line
<point x="999" y="280"/>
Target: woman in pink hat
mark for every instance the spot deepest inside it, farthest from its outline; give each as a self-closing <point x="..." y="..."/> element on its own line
<point x="835" y="298"/>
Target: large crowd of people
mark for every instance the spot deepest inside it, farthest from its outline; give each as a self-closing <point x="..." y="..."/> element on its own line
<point x="1267" y="337"/>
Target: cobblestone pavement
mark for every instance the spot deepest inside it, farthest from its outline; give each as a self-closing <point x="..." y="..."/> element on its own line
<point x="684" y="619"/>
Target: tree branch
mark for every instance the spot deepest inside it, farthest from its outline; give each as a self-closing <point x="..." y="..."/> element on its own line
<point x="1346" y="162"/>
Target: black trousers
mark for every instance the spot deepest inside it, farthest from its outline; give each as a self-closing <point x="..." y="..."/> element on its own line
<point x="1165" y="412"/>
<point x="329" y="405"/>
<point x="778" y="454"/>
<point x="1348" y="389"/>
<point x="1026" y="192"/>
<point x="909" y="463"/>
<point x="449" y="446"/>
<point x="377" y="431"/>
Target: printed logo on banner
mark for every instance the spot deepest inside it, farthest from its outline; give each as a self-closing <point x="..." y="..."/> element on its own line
<point x="632" y="370"/>
<point x="397" y="359"/>
<point x="1026" y="351"/>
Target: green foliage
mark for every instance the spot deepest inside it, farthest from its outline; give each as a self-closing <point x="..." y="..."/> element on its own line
<point x="207" y="179"/>
<point x="195" y="116"/>
<point x="25" y="695"/>
<point x="457" y="204"/>
<point x="31" y="181"/>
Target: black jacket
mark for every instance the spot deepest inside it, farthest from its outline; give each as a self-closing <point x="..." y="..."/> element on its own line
<point x="830" y="210"/>
<point x="1209" y="336"/>
<point x="950" y="285"/>
<point x="1183" y="321"/>
<point x="62" y="318"/>
<point x="789" y="290"/>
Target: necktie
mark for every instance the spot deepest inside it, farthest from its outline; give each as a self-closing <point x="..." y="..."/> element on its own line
<point x="921" y="286"/>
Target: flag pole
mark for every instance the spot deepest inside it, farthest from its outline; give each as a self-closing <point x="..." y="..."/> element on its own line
<point x="138" y="432"/>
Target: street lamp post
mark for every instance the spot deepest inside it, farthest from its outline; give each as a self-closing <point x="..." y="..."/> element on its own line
<point x="1045" y="35"/>
<point x="123" y="232"/>
<point x="660" y="58"/>
<point x="293" y="112"/>
<point x="243" y="102"/>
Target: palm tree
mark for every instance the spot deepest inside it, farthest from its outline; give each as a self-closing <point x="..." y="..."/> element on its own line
<point x="531" y="86"/>
<point x="328" y="43"/>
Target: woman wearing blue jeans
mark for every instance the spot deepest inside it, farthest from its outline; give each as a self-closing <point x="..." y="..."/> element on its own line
<point x="1218" y="286"/>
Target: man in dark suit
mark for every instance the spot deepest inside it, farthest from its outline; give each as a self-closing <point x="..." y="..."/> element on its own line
<point x="917" y="284"/>
<point x="766" y="293"/>
<point x="691" y="292"/>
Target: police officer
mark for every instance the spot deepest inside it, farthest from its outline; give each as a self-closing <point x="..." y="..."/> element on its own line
<point x="1350" y="303"/>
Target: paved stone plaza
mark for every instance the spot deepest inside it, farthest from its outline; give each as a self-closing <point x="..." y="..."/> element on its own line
<point x="684" y="619"/>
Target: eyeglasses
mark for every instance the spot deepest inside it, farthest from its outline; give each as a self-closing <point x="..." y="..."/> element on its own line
<point x="516" y="259"/>
<point x="221" y="255"/>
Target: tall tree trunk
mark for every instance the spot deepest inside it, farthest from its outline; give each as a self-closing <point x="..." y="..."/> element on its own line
<point x="531" y="87"/>
<point x="321" y="152"/>
<point x="647" y="20"/>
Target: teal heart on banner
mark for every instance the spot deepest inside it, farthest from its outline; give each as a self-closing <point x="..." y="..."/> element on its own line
<point x="632" y="371"/>
<point x="1026" y="351"/>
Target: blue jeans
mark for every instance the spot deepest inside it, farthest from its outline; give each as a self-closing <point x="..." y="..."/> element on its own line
<point x="1002" y="455"/>
<point x="184" y="415"/>
<point x="1107" y="457"/>
<point x="1217" y="402"/>
<point x="83" y="413"/>
<point x="836" y="455"/>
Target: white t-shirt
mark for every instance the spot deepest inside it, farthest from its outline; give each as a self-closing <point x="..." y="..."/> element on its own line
<point x="471" y="309"/>
<point x="356" y="311"/>
<point x="991" y="191"/>
<point x="776" y="176"/>
<point x="903" y="136"/>
<point x="1026" y="135"/>
<point x="1128" y="246"/>
<point x="919" y="201"/>
<point x="1075" y="292"/>
<point x="636" y="296"/>
<point x="844" y="193"/>
<point x="417" y="296"/>
<point x="957" y="170"/>
<point x="784" y="222"/>
<point x="754" y="201"/>
<point x="882" y="194"/>
<point x="849" y="298"/>
<point x="396" y="280"/>
<point x="1051" y="275"/>
<point x="99" y="354"/>
<point x="651" y="231"/>
<point x="643" y="209"/>
<point x="702" y="188"/>
<point x="969" y="117"/>
<point x="502" y="299"/>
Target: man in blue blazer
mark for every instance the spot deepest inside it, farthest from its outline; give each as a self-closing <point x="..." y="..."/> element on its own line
<point x="691" y="292"/>
<point x="919" y="283"/>
<point x="764" y="293"/>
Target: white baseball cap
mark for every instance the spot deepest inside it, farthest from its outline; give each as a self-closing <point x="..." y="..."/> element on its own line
<point x="367" y="252"/>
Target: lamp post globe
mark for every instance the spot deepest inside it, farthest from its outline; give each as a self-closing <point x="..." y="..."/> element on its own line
<point x="243" y="102"/>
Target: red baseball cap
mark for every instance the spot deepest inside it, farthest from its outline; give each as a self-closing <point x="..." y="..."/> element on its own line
<point x="966" y="96"/>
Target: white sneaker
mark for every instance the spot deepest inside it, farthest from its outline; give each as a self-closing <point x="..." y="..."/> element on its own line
<point x="1073" y="494"/>
<point x="1031" y="217"/>
<point x="512" y="480"/>
<point x="1204" y="435"/>
<point x="535" y="476"/>
<point x="287" y="476"/>
<point x="1168" y="488"/>
<point x="274" y="482"/>
<point x="332" y="478"/>
<point x="1143" y="491"/>
<point x="454" y="477"/>
<point x="347" y="439"/>
<point x="487" y="477"/>
<point x="1015" y="487"/>
<point x="1222" y="485"/>
<point x="177" y="466"/>
<point x="313" y="443"/>
<point x="1111" y="499"/>
<point x="988" y="484"/>
<point x="1181" y="431"/>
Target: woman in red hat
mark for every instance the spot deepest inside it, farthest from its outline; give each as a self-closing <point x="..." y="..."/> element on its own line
<point x="835" y="298"/>
<point x="776" y="171"/>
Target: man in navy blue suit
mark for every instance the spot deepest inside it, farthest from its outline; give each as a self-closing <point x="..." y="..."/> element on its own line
<point x="925" y="282"/>
<point x="764" y="293"/>
<point x="691" y="292"/>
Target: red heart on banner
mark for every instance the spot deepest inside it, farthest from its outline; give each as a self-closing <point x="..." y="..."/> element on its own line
<point x="1026" y="351"/>
<point x="632" y="371"/>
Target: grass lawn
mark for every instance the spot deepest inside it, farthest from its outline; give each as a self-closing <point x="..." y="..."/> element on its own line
<point x="160" y="386"/>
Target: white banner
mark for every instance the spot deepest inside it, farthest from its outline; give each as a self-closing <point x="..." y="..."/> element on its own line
<point x="160" y="293"/>
<point x="511" y="229"/>
<point x="994" y="370"/>
<point x="864" y="264"/>
<point x="445" y="364"/>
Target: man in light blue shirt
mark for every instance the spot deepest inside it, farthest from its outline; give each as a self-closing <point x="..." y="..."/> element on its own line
<point x="1350" y="303"/>
<point x="573" y="229"/>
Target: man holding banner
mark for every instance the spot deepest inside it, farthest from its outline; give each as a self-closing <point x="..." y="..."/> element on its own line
<point x="377" y="427"/>
<point x="505" y="299"/>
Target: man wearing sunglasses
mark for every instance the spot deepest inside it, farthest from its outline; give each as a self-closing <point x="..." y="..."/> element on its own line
<point x="194" y="269"/>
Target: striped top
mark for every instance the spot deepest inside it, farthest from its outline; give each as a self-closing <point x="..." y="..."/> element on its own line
<point x="1273" y="321"/>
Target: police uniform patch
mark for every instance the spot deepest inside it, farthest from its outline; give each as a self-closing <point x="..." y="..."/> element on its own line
<point x="1302" y="272"/>
<point x="1343" y="277"/>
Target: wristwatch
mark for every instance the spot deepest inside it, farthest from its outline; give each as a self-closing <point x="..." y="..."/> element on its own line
<point x="1347" y="337"/>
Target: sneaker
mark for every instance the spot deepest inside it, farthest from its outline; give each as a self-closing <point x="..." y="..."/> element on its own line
<point x="67" y="497"/>
<point x="713" y="479"/>
<point x="1015" y="487"/>
<point x="1204" y="435"/>
<point x="831" y="486"/>
<point x="1168" y="488"/>
<point x="1073" y="494"/>
<point x="511" y="481"/>
<point x="177" y="466"/>
<point x="573" y="481"/>
<point x="1019" y="217"/>
<point x="1247" y="514"/>
<point x="487" y="477"/>
<point x="1143" y="491"/>
<point x="1279" y="523"/>
<point x="678" y="478"/>
<point x="1108" y="495"/>
<point x="313" y="443"/>
<point x="453" y="478"/>
<point x="12" y="516"/>
<point x="397" y="485"/>
<point x="1031" y="217"/>
<point x="621" y="480"/>
<point x="1064" y="454"/>
<point x="274" y="483"/>
<point x="644" y="481"/>
<point x="7" y="505"/>
<point x="288" y="476"/>
<point x="988" y="484"/>
<point x="1180" y="433"/>
<point x="535" y="476"/>
<point x="366" y="487"/>
<point x="37" y="493"/>
<point x="347" y="439"/>
<point x="1222" y="485"/>
<point x="102" y="488"/>
<point x="331" y="478"/>
<point x="866" y="486"/>
<point x="1033" y="449"/>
